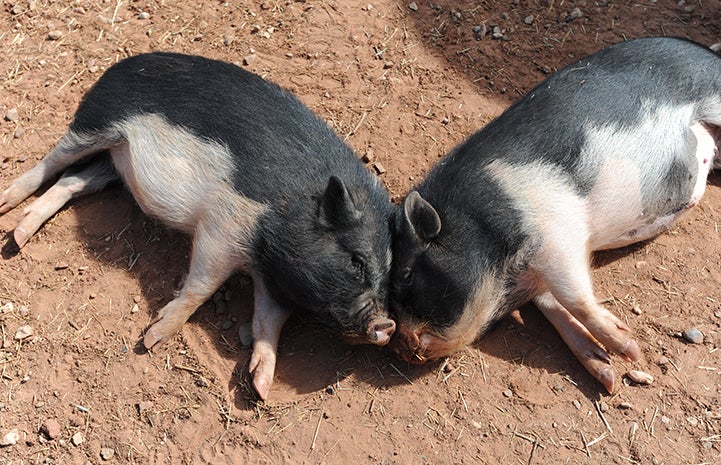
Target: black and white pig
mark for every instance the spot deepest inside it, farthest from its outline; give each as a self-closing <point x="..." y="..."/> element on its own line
<point x="609" y="151"/>
<point x="259" y="181"/>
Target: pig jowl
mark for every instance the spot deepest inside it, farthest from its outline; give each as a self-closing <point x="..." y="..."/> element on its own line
<point x="609" y="151"/>
<point x="260" y="183"/>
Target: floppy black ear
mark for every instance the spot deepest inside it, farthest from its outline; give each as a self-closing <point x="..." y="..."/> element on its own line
<point x="420" y="219"/>
<point x="336" y="206"/>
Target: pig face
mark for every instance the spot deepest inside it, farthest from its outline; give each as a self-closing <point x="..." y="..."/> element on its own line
<point x="336" y="272"/>
<point x="433" y="287"/>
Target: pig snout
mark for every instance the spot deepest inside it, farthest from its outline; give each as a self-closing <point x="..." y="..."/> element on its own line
<point x="380" y="331"/>
<point x="416" y="345"/>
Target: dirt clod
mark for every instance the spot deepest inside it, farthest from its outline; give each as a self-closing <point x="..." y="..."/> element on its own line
<point x="51" y="428"/>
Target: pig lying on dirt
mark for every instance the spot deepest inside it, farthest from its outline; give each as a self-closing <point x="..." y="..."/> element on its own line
<point x="260" y="183"/>
<point x="609" y="151"/>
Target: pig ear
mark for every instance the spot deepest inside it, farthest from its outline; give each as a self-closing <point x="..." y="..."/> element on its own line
<point x="336" y="205"/>
<point x="420" y="218"/>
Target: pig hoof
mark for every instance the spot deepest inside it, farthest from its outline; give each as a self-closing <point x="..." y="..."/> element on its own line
<point x="631" y="351"/>
<point x="154" y="338"/>
<point x="262" y="386"/>
<point x="21" y="237"/>
<point x="381" y="332"/>
<point x="607" y="378"/>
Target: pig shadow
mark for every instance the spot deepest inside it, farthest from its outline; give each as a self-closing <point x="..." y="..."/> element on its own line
<point x="116" y="233"/>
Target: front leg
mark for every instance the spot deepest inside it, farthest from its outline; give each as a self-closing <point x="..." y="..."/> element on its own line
<point x="268" y="321"/>
<point x="583" y="345"/>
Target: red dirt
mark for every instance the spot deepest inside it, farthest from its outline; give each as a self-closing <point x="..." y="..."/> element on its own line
<point x="404" y="87"/>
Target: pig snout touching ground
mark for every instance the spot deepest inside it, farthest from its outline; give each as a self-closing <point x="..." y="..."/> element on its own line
<point x="579" y="164"/>
<point x="260" y="183"/>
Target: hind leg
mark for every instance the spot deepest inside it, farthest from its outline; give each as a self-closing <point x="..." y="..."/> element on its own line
<point x="73" y="183"/>
<point x="583" y="345"/>
<point x="212" y="262"/>
<point x="71" y="148"/>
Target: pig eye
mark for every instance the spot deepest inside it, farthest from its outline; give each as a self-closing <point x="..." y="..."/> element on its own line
<point x="358" y="266"/>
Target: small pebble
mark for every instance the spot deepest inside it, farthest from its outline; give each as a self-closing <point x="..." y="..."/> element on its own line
<point x="12" y="115"/>
<point x="636" y="309"/>
<point x="508" y="393"/>
<point x="55" y="35"/>
<point x="245" y="334"/>
<point x="693" y="336"/>
<point x="379" y="168"/>
<point x="413" y="6"/>
<point x="528" y="19"/>
<point x="135" y="308"/>
<point x="641" y="264"/>
<point x="249" y="59"/>
<point x="144" y="405"/>
<point x="7" y="308"/>
<point x="640" y="377"/>
<point x="106" y="453"/>
<point x="227" y="40"/>
<point x="577" y="404"/>
<point x="51" y="428"/>
<point x="662" y="360"/>
<point x="603" y="406"/>
<point x="23" y="332"/>
<point x="575" y="14"/>
<point x="625" y="406"/>
<point x="388" y="64"/>
<point x="77" y="438"/>
<point x="19" y="132"/>
<point x="10" y="438"/>
<point x="693" y="421"/>
<point x="144" y="15"/>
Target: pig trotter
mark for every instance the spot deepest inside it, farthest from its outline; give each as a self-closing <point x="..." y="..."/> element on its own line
<point x="268" y="321"/>
<point x="591" y="355"/>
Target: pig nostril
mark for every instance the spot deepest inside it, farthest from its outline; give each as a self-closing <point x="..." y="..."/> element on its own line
<point x="381" y="333"/>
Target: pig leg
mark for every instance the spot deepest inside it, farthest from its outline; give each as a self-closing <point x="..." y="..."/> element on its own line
<point x="212" y="262"/>
<point x="564" y="266"/>
<point x="268" y="321"/>
<point x="73" y="183"/>
<point x="69" y="150"/>
<point x="592" y="356"/>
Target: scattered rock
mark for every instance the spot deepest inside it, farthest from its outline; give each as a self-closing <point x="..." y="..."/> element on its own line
<point x="380" y="169"/>
<point x="12" y="115"/>
<point x="693" y="335"/>
<point x="10" y="438"/>
<point x="497" y="33"/>
<point x="528" y="19"/>
<point x="144" y="15"/>
<point x="228" y="39"/>
<point x="640" y="377"/>
<point x="636" y="309"/>
<point x="577" y="404"/>
<point x="55" y="35"/>
<point x="574" y="14"/>
<point x="77" y="439"/>
<point x="144" y="406"/>
<point x="7" y="308"/>
<point x="508" y="393"/>
<point x="249" y="59"/>
<point x="388" y="64"/>
<point x="51" y="428"/>
<point x="625" y="406"/>
<point x="23" y="332"/>
<point x="413" y="6"/>
<point x="641" y="264"/>
<point x="603" y="406"/>
<point x="662" y="360"/>
<point x="245" y="334"/>
<point x="19" y="132"/>
<point x="106" y="453"/>
<point x="480" y="31"/>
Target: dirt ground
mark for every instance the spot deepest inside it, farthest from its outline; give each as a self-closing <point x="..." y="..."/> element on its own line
<point x="403" y="83"/>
